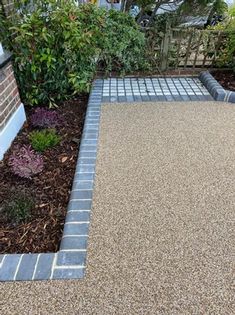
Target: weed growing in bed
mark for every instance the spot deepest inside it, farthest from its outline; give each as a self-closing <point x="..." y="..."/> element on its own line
<point x="18" y="208"/>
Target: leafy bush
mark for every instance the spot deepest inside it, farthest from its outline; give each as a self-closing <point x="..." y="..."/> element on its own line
<point x="122" y="45"/>
<point x="45" y="118"/>
<point x="55" y="50"/>
<point x="57" y="46"/>
<point x="18" y="208"/>
<point x="226" y="52"/>
<point x="25" y="162"/>
<point x="43" y="139"/>
<point x="154" y="37"/>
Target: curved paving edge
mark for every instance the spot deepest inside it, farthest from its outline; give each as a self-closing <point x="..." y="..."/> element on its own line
<point x="69" y="262"/>
<point x="216" y="90"/>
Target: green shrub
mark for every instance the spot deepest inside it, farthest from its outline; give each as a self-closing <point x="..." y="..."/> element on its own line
<point x="57" y="46"/>
<point x="226" y="52"/>
<point x="18" y="208"/>
<point x="55" y="50"/>
<point x="44" y="139"/>
<point x="123" y="44"/>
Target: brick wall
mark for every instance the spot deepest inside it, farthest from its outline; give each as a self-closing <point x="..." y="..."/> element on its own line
<point x="9" y="94"/>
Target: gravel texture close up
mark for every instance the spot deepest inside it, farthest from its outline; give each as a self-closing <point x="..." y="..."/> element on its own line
<point x="161" y="239"/>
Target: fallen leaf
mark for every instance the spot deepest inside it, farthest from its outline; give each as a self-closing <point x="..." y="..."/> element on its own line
<point x="76" y="140"/>
<point x="64" y="159"/>
<point x="42" y="205"/>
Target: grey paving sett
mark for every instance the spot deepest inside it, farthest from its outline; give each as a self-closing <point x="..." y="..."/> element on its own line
<point x="154" y="89"/>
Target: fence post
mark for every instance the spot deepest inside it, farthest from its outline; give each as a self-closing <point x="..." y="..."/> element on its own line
<point x="165" y="47"/>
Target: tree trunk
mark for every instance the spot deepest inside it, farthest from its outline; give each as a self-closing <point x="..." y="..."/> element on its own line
<point x="210" y="16"/>
<point x="140" y="15"/>
<point x="126" y="5"/>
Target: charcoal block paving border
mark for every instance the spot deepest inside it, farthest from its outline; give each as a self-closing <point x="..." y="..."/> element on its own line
<point x="215" y="89"/>
<point x="70" y="261"/>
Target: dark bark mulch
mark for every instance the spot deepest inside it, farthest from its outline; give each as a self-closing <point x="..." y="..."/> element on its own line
<point x="225" y="78"/>
<point x="172" y="72"/>
<point x="50" y="189"/>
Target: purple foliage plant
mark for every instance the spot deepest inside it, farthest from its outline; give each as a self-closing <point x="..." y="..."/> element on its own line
<point x="45" y="118"/>
<point x="25" y="162"/>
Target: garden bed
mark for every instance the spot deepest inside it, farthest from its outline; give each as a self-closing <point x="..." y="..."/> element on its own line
<point x="49" y="190"/>
<point x="225" y="78"/>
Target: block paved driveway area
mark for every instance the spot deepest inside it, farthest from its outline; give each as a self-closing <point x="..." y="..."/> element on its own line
<point x="154" y="89"/>
<point x="161" y="238"/>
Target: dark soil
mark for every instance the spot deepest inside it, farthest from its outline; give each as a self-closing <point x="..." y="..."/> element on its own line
<point x="50" y="189"/>
<point x="225" y="78"/>
<point x="169" y="73"/>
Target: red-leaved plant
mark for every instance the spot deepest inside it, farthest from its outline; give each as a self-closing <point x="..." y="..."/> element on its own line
<point x="25" y="162"/>
<point x="45" y="118"/>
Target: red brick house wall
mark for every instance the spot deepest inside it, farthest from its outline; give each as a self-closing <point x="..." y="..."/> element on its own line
<point x="9" y="94"/>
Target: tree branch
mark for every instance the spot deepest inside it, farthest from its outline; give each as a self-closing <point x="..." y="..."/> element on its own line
<point x="157" y="6"/>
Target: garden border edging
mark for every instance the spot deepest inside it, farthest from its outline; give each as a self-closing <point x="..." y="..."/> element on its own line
<point x="216" y="90"/>
<point x="70" y="261"/>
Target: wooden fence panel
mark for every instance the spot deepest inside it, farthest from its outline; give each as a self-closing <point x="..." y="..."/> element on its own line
<point x="192" y="48"/>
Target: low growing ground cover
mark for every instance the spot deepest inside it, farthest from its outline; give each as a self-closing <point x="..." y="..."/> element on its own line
<point x="33" y="207"/>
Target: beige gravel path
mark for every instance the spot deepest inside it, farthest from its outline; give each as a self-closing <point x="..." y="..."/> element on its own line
<point x="162" y="232"/>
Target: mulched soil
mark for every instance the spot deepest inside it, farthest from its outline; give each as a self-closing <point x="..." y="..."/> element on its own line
<point x="168" y="73"/>
<point x="50" y="189"/>
<point x="225" y="78"/>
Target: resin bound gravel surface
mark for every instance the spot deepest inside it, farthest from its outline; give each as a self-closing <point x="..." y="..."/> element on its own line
<point x="161" y="239"/>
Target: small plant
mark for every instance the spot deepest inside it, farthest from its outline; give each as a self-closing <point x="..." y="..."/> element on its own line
<point x="18" y="208"/>
<point x="45" y="118"/>
<point x="25" y="162"/>
<point x="44" y="139"/>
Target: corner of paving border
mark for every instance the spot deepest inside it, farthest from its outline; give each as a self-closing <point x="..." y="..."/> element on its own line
<point x="216" y="90"/>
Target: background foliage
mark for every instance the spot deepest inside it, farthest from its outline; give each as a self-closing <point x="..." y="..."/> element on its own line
<point x="123" y="46"/>
<point x="190" y="7"/>
<point x="227" y="51"/>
